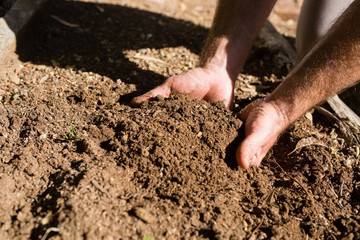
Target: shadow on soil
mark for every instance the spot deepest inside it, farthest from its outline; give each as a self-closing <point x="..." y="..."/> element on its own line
<point x="95" y="36"/>
<point x="100" y="35"/>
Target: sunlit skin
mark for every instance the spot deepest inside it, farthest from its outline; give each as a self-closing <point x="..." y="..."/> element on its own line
<point x="329" y="67"/>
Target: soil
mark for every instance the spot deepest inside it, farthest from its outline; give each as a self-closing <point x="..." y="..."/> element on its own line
<point x="78" y="161"/>
<point x="5" y="5"/>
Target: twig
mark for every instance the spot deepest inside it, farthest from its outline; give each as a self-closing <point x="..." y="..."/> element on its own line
<point x="341" y="189"/>
<point x="52" y="229"/>
<point x="348" y="129"/>
<point x="327" y="114"/>
<point x="100" y="8"/>
<point x="63" y="22"/>
<point x="147" y="58"/>
<point x="98" y="187"/>
<point x="343" y="111"/>
<point x="257" y="227"/>
<point x="337" y="196"/>
<point x="333" y="191"/>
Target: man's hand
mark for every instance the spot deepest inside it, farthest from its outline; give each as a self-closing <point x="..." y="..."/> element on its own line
<point x="235" y="26"/>
<point x="212" y="85"/>
<point x="264" y="122"/>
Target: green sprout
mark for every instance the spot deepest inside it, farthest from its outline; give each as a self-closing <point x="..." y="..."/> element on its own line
<point x="148" y="237"/>
<point x="71" y="135"/>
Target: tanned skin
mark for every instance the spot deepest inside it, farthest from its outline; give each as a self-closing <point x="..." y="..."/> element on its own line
<point x="332" y="65"/>
<point x="235" y="26"/>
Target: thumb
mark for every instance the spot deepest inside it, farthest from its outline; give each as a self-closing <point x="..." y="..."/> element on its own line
<point x="161" y="90"/>
<point x="258" y="141"/>
<point x="251" y="151"/>
<point x="244" y="113"/>
<point x="260" y="135"/>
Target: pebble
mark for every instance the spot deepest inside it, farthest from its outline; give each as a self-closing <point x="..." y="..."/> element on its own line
<point x="16" y="80"/>
<point x="144" y="215"/>
<point x="21" y="217"/>
<point x="43" y="79"/>
<point x="144" y="152"/>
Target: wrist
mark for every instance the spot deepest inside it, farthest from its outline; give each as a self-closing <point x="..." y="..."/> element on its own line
<point x="282" y="109"/>
<point x="219" y="69"/>
<point x="216" y="57"/>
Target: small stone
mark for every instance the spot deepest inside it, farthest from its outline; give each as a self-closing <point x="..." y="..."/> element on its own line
<point x="43" y="79"/>
<point x="207" y="217"/>
<point x="21" y="217"/>
<point x="144" y="152"/>
<point x="43" y="136"/>
<point x="15" y="79"/>
<point x="124" y="138"/>
<point x="144" y="215"/>
<point x="122" y="202"/>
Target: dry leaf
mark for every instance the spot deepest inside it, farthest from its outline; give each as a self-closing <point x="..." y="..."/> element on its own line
<point x="308" y="142"/>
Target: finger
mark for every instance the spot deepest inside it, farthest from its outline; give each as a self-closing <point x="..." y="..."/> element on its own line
<point x="249" y="152"/>
<point x="242" y="156"/>
<point x="259" y="138"/>
<point x="142" y="98"/>
<point x="244" y="113"/>
<point x="158" y="91"/>
<point x="252" y="151"/>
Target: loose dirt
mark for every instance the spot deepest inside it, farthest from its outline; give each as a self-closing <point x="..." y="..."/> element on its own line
<point x="78" y="161"/>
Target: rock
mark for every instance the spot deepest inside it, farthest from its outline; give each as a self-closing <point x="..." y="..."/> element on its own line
<point x="143" y="215"/>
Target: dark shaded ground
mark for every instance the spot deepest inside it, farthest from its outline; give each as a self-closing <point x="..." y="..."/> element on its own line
<point x="78" y="162"/>
<point x="5" y="5"/>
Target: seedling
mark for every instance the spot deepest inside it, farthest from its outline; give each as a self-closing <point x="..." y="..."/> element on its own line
<point x="71" y="135"/>
<point x="148" y="237"/>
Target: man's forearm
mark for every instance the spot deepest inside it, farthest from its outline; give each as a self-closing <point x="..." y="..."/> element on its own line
<point x="235" y="26"/>
<point x="331" y="66"/>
